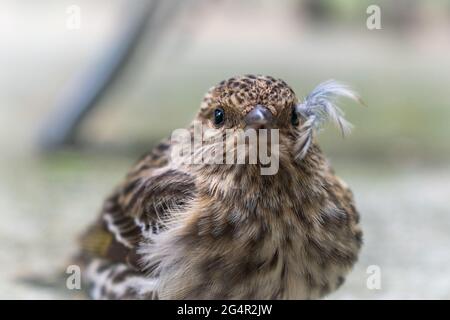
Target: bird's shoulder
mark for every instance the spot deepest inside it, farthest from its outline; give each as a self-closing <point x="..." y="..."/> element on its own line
<point x="342" y="198"/>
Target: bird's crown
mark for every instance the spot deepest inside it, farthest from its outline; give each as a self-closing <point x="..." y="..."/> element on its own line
<point x="244" y="92"/>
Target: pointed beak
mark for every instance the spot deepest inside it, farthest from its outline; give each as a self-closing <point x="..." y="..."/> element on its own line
<point x="259" y="117"/>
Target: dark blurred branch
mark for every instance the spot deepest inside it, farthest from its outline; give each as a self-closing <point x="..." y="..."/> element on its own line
<point x="84" y="94"/>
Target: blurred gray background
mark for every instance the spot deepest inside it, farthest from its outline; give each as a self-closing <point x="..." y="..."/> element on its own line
<point x="396" y="160"/>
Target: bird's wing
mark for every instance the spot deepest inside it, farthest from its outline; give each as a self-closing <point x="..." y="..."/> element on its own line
<point x="136" y="208"/>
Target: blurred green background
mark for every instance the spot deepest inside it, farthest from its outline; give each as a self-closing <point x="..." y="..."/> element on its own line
<point x="396" y="160"/>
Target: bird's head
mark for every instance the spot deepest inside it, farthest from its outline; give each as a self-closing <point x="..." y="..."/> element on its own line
<point x="249" y="101"/>
<point x="253" y="102"/>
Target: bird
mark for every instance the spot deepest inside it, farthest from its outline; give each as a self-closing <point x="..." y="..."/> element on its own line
<point x="181" y="230"/>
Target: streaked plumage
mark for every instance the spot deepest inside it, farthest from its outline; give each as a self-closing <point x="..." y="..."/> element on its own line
<point x="208" y="231"/>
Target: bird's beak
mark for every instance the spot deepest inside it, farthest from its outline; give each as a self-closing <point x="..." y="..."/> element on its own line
<point x="259" y="117"/>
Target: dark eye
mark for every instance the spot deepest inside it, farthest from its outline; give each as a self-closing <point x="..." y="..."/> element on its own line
<point x="294" y="117"/>
<point x="219" y="116"/>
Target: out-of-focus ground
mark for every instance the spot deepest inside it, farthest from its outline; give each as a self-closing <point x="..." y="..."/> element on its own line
<point x="396" y="161"/>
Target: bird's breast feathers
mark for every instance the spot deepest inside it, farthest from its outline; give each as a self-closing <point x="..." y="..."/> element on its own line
<point x="276" y="241"/>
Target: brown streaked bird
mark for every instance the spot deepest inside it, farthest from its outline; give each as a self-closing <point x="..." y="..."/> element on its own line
<point x="225" y="231"/>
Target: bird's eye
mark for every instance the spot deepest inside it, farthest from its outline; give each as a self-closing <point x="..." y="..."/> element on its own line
<point x="294" y="117"/>
<point x="219" y="116"/>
